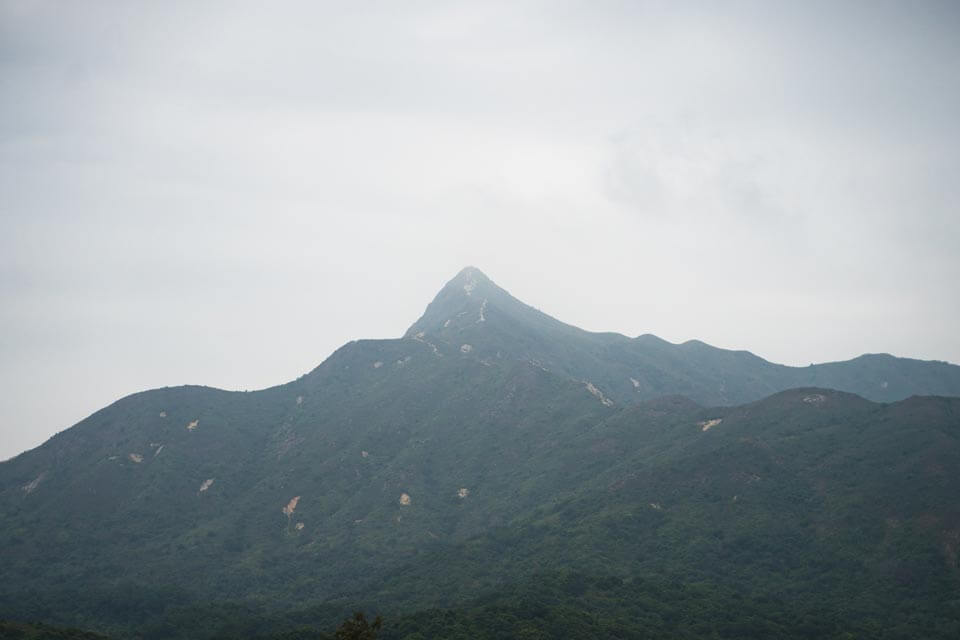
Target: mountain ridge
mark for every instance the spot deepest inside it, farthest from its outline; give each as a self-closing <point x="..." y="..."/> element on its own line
<point x="465" y="294"/>
<point x="411" y="473"/>
<point x="631" y="369"/>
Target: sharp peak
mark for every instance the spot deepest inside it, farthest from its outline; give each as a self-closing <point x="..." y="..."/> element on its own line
<point x="469" y="291"/>
<point x="470" y="273"/>
<point x="470" y="281"/>
<point x="470" y="270"/>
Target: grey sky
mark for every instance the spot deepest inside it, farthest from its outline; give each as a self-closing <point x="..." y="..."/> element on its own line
<point x="223" y="193"/>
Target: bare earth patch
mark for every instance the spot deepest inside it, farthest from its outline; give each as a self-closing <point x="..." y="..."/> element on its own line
<point x="206" y="485"/>
<point x="291" y="506"/>
<point x="463" y="492"/>
<point x="706" y="425"/>
<point x="33" y="484"/>
<point x="192" y="425"/>
<point x="607" y="402"/>
<point x="420" y="338"/>
<point x="135" y="457"/>
<point x="405" y="499"/>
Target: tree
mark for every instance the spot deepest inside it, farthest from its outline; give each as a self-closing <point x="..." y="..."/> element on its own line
<point x="358" y="628"/>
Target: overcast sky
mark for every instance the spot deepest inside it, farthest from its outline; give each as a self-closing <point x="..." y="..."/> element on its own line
<point x="224" y="193"/>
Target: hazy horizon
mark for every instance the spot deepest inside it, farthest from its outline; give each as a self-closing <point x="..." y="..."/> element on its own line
<point x="224" y="194"/>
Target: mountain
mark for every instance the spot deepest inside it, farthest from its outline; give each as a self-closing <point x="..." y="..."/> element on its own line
<point x="498" y="471"/>
<point x="473" y="312"/>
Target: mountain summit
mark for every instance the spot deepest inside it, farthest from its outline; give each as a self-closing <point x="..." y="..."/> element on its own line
<point x="471" y="308"/>
<point x="473" y="316"/>
<point x="488" y="445"/>
<point x="461" y="301"/>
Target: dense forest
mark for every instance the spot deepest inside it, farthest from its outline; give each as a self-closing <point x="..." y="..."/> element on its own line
<point x="572" y="605"/>
<point x="468" y="480"/>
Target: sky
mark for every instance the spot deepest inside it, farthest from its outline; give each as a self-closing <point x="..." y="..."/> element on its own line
<point x="224" y="193"/>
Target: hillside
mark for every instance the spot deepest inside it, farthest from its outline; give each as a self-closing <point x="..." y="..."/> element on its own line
<point x="491" y="445"/>
<point x="473" y="310"/>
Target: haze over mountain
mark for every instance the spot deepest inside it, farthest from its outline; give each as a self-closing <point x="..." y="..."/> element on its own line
<point x="493" y="456"/>
<point x="180" y="206"/>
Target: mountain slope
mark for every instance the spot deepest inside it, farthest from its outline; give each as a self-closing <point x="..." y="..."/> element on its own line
<point x="809" y="494"/>
<point x="472" y="455"/>
<point x="472" y="310"/>
<point x="807" y="482"/>
<point x="291" y="493"/>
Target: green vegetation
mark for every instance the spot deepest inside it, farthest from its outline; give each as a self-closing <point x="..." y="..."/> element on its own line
<point x="21" y="631"/>
<point x="490" y="492"/>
